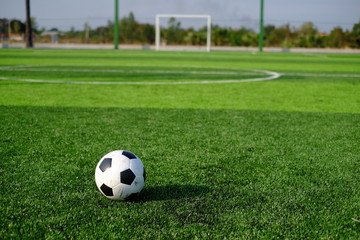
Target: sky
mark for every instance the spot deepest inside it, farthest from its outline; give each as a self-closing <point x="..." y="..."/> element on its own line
<point x="64" y="14"/>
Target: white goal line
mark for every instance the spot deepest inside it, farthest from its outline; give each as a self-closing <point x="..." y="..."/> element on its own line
<point x="157" y="27"/>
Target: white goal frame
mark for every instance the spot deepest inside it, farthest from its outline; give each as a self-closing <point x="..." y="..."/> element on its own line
<point x="158" y="29"/>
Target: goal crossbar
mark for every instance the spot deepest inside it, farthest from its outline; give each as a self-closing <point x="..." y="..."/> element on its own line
<point x="157" y="28"/>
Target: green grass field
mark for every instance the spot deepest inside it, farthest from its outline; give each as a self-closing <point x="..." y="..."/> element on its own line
<point x="276" y="159"/>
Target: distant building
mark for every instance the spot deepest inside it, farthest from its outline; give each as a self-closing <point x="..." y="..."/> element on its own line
<point x="4" y="36"/>
<point x="11" y="36"/>
<point x="53" y="35"/>
<point x="16" y="36"/>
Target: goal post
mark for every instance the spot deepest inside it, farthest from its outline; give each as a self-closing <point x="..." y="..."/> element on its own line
<point x="158" y="28"/>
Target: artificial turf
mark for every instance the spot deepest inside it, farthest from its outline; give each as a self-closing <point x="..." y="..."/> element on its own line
<point x="268" y="160"/>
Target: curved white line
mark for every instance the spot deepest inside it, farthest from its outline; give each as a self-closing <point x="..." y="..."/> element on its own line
<point x="272" y="76"/>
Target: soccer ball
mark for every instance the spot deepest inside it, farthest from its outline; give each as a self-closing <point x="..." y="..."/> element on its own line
<point x="120" y="174"/>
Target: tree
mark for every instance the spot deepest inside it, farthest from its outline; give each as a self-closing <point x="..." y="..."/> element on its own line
<point x="220" y="36"/>
<point x="173" y="32"/>
<point x="243" y="37"/>
<point x="308" y="28"/>
<point x="148" y="33"/>
<point x="34" y="25"/>
<point x="336" y="38"/>
<point x="71" y="33"/>
<point x="4" y="25"/>
<point x="267" y="31"/>
<point x="354" y="38"/>
<point x="280" y="37"/>
<point x="16" y="26"/>
<point x="129" y="29"/>
<point x="308" y="36"/>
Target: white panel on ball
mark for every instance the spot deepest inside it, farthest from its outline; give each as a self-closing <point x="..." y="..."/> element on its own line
<point x="119" y="174"/>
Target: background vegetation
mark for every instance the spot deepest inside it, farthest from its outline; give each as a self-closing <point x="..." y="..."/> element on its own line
<point x="133" y="32"/>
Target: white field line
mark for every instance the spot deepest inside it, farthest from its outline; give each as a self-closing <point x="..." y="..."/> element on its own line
<point x="176" y="72"/>
<point x="40" y="68"/>
<point x="125" y="71"/>
<point x="271" y="76"/>
<point x="321" y="75"/>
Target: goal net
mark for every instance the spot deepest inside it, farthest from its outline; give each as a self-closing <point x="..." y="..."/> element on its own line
<point x="161" y="43"/>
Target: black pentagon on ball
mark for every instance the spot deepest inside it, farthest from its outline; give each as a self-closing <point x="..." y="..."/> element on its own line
<point x="107" y="190"/>
<point x="144" y="175"/>
<point x="127" y="177"/>
<point x="105" y="164"/>
<point x="129" y="155"/>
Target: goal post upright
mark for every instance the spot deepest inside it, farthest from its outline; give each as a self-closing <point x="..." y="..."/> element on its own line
<point x="157" y="33"/>
<point x="208" y="42"/>
<point x="261" y="32"/>
<point x="158" y="28"/>
<point x="116" y="25"/>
